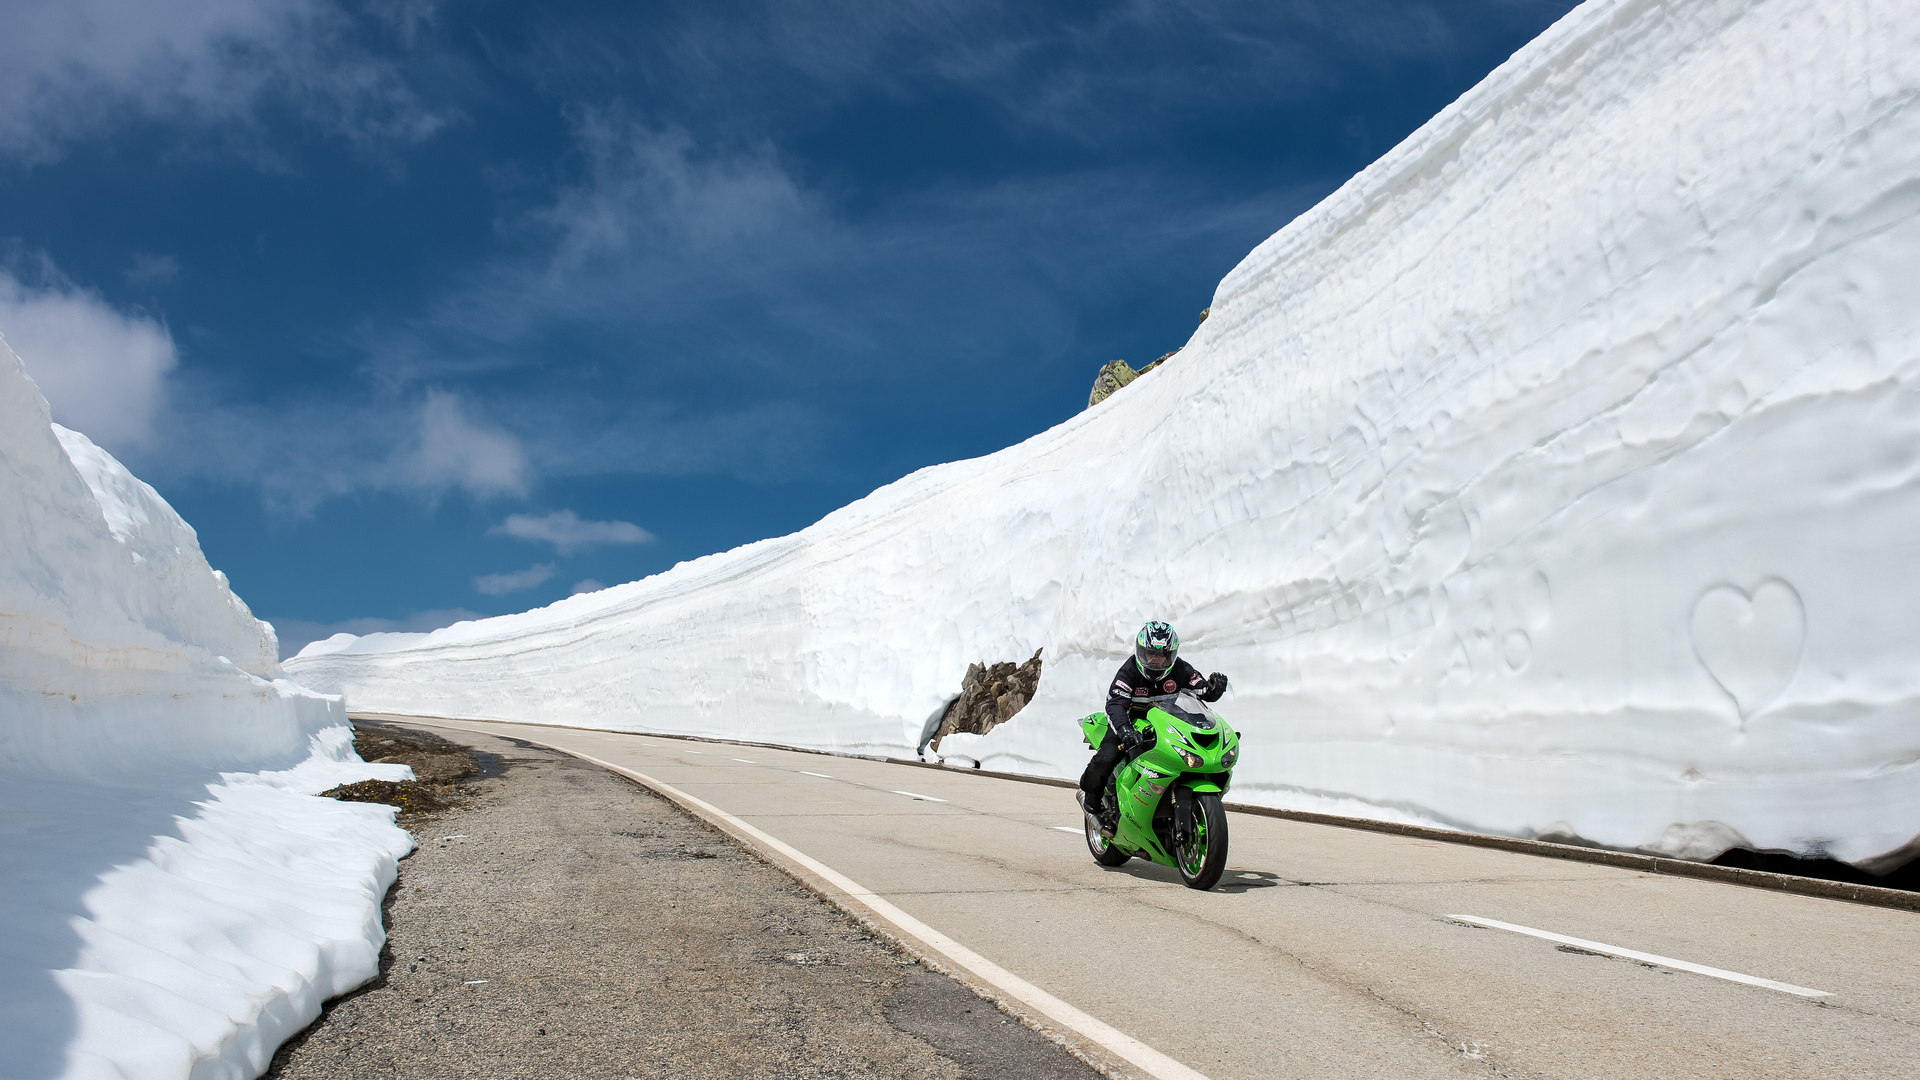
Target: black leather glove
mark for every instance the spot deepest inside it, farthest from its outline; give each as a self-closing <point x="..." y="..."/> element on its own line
<point x="1216" y="685"/>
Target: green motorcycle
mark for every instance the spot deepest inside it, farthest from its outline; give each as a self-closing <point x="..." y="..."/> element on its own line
<point x="1169" y="792"/>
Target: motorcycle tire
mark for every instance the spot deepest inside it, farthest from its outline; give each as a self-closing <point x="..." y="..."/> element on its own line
<point x="1101" y="848"/>
<point x="1203" y="858"/>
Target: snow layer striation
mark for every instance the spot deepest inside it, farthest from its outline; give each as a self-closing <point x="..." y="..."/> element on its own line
<point x="176" y="902"/>
<point x="1556" y="475"/>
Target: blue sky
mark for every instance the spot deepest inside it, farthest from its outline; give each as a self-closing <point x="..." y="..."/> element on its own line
<point x="424" y="310"/>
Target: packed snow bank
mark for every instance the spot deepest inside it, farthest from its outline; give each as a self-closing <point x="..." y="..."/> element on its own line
<point x="176" y="903"/>
<point x="1557" y="475"/>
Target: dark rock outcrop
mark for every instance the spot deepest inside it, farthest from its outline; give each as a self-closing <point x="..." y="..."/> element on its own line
<point x="989" y="696"/>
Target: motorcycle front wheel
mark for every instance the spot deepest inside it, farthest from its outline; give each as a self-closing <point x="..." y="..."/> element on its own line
<point x="1203" y="858"/>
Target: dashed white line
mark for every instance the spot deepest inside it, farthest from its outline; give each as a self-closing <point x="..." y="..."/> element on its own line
<point x="1074" y="829"/>
<point x="821" y="775"/>
<point x="923" y="798"/>
<point x="702" y="753"/>
<point x="744" y="761"/>
<point x="1645" y="958"/>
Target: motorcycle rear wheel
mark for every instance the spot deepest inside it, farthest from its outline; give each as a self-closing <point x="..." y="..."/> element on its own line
<point x="1203" y="858"/>
<point x="1102" y="849"/>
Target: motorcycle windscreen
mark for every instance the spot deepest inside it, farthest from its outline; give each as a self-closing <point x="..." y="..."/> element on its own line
<point x="1189" y="709"/>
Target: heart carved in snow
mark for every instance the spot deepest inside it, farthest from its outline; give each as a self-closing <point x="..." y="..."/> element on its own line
<point x="1750" y="644"/>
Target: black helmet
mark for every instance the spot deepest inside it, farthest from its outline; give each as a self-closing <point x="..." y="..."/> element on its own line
<point x="1155" y="648"/>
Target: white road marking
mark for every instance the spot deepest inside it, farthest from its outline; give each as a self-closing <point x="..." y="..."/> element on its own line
<point x="1074" y="829"/>
<point x="821" y="775"/>
<point x="473" y="982"/>
<point x="911" y="795"/>
<point x="1645" y="958"/>
<point x="744" y="761"/>
<point x="1139" y="1054"/>
<point x="702" y="753"/>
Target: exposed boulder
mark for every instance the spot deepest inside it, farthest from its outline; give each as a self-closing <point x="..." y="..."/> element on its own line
<point x="1113" y="376"/>
<point x="989" y="696"/>
<point x="1118" y="373"/>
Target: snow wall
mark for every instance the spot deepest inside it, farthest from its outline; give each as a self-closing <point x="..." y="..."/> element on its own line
<point x="1557" y="475"/>
<point x="162" y="918"/>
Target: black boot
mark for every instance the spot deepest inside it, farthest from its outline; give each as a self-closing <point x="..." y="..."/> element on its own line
<point x="1101" y="812"/>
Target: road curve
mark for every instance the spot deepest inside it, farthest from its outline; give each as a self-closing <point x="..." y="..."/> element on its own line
<point x="1325" y="952"/>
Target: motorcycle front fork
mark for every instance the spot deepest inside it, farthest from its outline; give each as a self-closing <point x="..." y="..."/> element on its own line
<point x="1182" y="814"/>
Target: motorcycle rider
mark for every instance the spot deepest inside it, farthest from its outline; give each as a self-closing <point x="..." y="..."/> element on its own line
<point x="1155" y="669"/>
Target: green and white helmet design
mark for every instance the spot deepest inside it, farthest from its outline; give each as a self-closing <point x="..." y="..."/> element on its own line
<point x="1155" y="648"/>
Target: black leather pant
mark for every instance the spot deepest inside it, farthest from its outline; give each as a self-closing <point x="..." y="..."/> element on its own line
<point x="1100" y="769"/>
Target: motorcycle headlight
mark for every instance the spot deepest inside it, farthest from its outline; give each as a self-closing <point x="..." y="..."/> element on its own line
<point x="1192" y="759"/>
<point x="1231" y="756"/>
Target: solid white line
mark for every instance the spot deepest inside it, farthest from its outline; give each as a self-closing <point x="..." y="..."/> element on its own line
<point x="744" y="761"/>
<point x="1645" y="958"/>
<point x="1139" y="1054"/>
<point x="821" y="775"/>
<point x="911" y="795"/>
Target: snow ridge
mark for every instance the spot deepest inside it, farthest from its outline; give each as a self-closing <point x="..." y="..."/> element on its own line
<point x="1553" y="476"/>
<point x="176" y="902"/>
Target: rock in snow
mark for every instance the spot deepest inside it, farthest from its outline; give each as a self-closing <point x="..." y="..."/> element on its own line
<point x="1558" y="471"/>
<point x="989" y="696"/>
<point x="175" y="903"/>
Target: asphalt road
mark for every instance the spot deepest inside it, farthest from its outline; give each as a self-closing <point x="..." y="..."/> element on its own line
<point x="1329" y="952"/>
<point x="562" y="921"/>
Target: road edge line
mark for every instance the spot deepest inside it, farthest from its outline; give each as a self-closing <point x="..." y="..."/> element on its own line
<point x="1005" y="988"/>
<point x="1109" y="1038"/>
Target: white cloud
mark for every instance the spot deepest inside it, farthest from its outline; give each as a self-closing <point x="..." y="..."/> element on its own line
<point x="650" y="189"/>
<point x="104" y="371"/>
<point x="297" y="634"/>
<point x="455" y="450"/>
<point x="514" y="581"/>
<point x="586" y="585"/>
<point x="568" y="532"/>
<point x="301" y="449"/>
<point x="72" y="68"/>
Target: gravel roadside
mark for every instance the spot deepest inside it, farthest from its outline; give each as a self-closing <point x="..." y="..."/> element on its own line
<point x="561" y="921"/>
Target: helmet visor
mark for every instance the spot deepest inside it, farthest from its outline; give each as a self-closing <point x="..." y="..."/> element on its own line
<point x="1155" y="661"/>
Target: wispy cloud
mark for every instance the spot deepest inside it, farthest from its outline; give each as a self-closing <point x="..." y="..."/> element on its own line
<point x="453" y="449"/>
<point x="568" y="532"/>
<point x="679" y="308"/>
<point x="72" y="69"/>
<point x="146" y="269"/>
<point x="679" y="293"/>
<point x="514" y="581"/>
<point x="1087" y="73"/>
<point x="586" y="585"/>
<point x="103" y="369"/>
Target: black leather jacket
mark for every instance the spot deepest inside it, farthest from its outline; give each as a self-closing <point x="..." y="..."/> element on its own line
<point x="1129" y="687"/>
